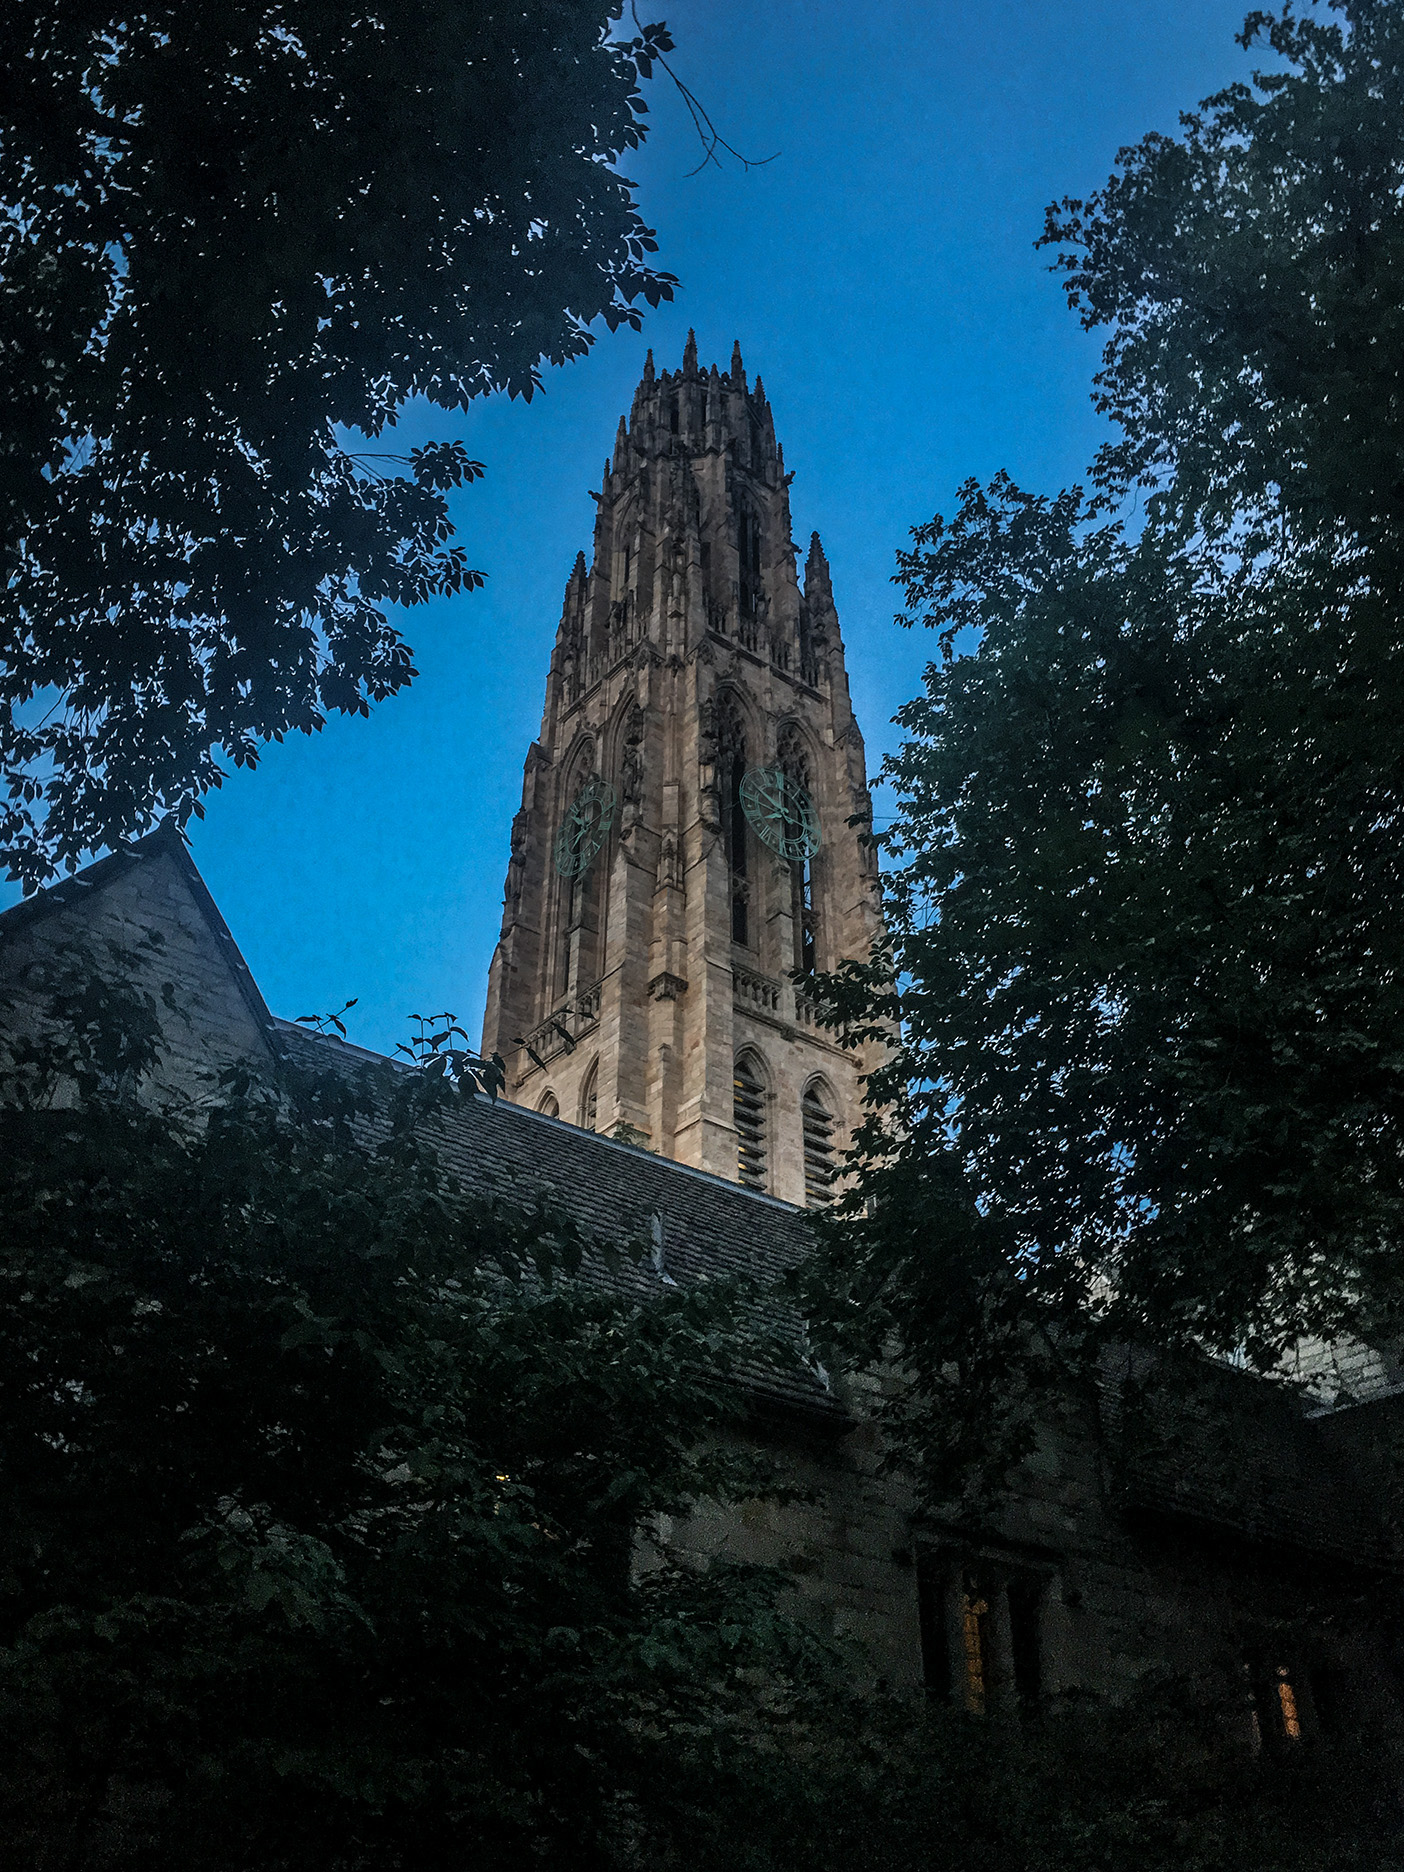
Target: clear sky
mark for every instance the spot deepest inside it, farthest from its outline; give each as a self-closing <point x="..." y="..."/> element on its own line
<point x="880" y="275"/>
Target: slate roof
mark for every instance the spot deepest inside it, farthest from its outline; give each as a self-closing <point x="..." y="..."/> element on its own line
<point x="710" y="1227"/>
<point x="1236" y="1455"/>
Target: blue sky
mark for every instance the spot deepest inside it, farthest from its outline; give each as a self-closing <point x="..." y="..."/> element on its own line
<point x="881" y="276"/>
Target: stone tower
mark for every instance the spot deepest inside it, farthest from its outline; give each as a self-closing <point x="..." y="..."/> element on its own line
<point x="658" y="926"/>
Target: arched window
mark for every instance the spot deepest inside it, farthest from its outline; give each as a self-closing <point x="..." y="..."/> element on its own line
<point x="792" y="757"/>
<point x="589" y="1098"/>
<point x="550" y="1106"/>
<point x="748" y="1109"/>
<point x="731" y="764"/>
<point x="817" y="1118"/>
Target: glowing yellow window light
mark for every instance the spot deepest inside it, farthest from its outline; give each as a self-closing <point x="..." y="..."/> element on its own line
<point x="974" y="1610"/>
<point x="1287" y="1701"/>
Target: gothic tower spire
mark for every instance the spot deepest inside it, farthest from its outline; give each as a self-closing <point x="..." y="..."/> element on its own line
<point x="686" y="855"/>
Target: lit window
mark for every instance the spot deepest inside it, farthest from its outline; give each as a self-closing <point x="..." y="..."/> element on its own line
<point x="1275" y="1715"/>
<point x="981" y="1636"/>
<point x="975" y="1632"/>
<point x="748" y="1107"/>
<point x="1287" y="1705"/>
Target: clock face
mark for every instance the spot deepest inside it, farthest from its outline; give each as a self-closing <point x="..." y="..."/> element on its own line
<point x="585" y="826"/>
<point x="783" y="814"/>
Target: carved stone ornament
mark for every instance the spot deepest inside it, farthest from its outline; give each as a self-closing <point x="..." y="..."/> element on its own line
<point x="631" y="767"/>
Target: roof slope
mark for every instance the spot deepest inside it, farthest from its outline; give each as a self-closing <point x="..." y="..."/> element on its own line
<point x="709" y="1228"/>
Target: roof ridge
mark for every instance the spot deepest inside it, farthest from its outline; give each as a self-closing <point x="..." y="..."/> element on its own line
<point x="636" y="1151"/>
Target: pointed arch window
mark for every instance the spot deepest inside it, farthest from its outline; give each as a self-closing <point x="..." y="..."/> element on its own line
<point x="817" y="1123"/>
<point x="590" y="1098"/>
<point x="749" y="1113"/>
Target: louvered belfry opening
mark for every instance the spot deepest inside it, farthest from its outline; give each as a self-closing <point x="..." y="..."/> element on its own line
<point x="818" y="1149"/>
<point x="749" y="1112"/>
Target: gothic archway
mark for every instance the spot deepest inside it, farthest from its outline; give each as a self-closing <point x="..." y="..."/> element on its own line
<point x="590" y="1098"/>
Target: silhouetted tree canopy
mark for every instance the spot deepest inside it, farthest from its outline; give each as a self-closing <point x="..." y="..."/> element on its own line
<point x="324" y="1485"/>
<point x="229" y="235"/>
<point x="1146" y="897"/>
<point x="328" y="1505"/>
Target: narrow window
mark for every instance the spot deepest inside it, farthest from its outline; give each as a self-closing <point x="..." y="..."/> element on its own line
<point x="589" y="1098"/>
<point x="975" y="1635"/>
<point x="673" y="415"/>
<point x="731" y="763"/>
<point x="802" y="910"/>
<point x="818" y="1127"/>
<point x="581" y="928"/>
<point x="1025" y="1610"/>
<point x="1275" y="1712"/>
<point x="748" y="1110"/>
<point x="1287" y="1706"/>
<point x="748" y="553"/>
<point x="935" y="1648"/>
<point x="736" y="851"/>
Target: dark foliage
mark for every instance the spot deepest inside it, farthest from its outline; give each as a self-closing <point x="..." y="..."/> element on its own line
<point x="320" y="1488"/>
<point x="229" y="234"/>
<point x="1146" y="898"/>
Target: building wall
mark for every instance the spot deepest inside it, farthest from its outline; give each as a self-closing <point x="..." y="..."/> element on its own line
<point x="1276" y="1557"/>
<point x="1112" y="1600"/>
<point x="147" y="923"/>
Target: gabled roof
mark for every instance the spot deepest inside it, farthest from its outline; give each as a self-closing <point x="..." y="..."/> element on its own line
<point x="709" y="1227"/>
<point x="167" y="841"/>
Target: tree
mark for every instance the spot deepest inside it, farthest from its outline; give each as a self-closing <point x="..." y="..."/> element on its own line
<point x="231" y="237"/>
<point x="321" y="1484"/>
<point x="1146" y="903"/>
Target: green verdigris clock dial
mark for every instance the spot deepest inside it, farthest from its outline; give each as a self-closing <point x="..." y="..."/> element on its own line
<point x="585" y="826"/>
<point x="783" y="814"/>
